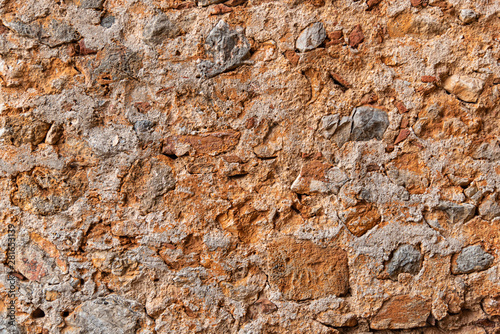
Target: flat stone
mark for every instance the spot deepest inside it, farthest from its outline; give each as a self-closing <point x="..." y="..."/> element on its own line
<point x="303" y="270"/>
<point x="311" y="37"/>
<point x="335" y="319"/>
<point x="228" y="48"/>
<point x="490" y="208"/>
<point x="368" y="123"/>
<point x="472" y="258"/>
<point x="402" y="312"/>
<point x="465" y="88"/>
<point x="406" y="259"/>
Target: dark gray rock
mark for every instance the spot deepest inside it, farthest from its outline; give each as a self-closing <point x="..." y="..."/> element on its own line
<point x="472" y="258"/>
<point x="108" y="21"/>
<point x="368" y="123"/>
<point x="26" y="30"/>
<point x="329" y="124"/>
<point x="228" y="48"/>
<point x="458" y="213"/>
<point x="143" y="126"/>
<point x="158" y="29"/>
<point x="343" y="131"/>
<point x="61" y="33"/>
<point x="406" y="259"/>
<point x="311" y="37"/>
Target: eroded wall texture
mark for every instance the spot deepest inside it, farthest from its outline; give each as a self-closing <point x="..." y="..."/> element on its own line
<point x="249" y="166"/>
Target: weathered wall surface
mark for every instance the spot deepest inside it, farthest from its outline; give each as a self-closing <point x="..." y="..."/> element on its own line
<point x="295" y="166"/>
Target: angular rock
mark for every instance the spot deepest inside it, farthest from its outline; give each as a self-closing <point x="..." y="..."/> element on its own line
<point x="368" y="123"/>
<point x="406" y="259"/>
<point x="311" y="37"/>
<point x="92" y="4"/>
<point x="335" y="319"/>
<point x="361" y="218"/>
<point x="472" y="258"/>
<point x="458" y="213"/>
<point x="158" y="29"/>
<point x="356" y="37"/>
<point x="303" y="270"/>
<point x="227" y="47"/>
<point x="329" y="124"/>
<point x="490" y="208"/>
<point x="465" y="88"/>
<point x="108" y="21"/>
<point x="467" y="16"/>
<point x="402" y="312"/>
<point x="19" y="130"/>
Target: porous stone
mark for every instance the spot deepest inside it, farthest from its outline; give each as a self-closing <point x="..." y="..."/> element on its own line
<point x="402" y="312"/>
<point x="312" y="37"/>
<point x="405" y="259"/>
<point x="472" y="258"/>
<point x="158" y="29"/>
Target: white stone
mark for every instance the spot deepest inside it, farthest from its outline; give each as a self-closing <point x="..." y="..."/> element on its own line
<point x="465" y="88"/>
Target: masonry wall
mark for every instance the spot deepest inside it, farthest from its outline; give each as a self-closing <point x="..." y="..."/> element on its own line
<point x="255" y="166"/>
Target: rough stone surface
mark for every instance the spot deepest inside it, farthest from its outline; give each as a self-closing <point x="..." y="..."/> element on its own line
<point x="250" y="166"/>
<point x="472" y="258"/>
<point x="311" y="37"/>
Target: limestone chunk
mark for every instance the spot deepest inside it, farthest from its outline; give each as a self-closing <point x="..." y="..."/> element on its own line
<point x="472" y="258"/>
<point x="311" y="37"/>
<point x="465" y="88"/>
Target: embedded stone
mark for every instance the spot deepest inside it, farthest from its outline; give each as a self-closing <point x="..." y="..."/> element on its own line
<point x="470" y="259"/>
<point x="311" y="37"/>
<point x="465" y="88"/>
<point x="368" y="123"/>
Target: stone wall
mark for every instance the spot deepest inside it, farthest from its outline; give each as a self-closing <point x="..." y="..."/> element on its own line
<point x="250" y="166"/>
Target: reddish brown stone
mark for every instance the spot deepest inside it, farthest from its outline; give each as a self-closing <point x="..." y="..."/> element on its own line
<point x="402" y="312"/>
<point x="142" y="106"/>
<point x="401" y="107"/>
<point x="389" y="148"/>
<point x="84" y="50"/>
<point x="416" y="3"/>
<point x="185" y="5"/>
<point x="261" y="306"/>
<point x="356" y="36"/>
<point x="250" y="123"/>
<point x="220" y="9"/>
<point x="368" y="99"/>
<point x="403" y="134"/>
<point x="303" y="270"/>
<point x="292" y="57"/>
<point x="361" y="218"/>
<point x="372" y="3"/>
<point x="341" y="81"/>
<point x="233" y="3"/>
<point x="3" y="29"/>
<point x="208" y="143"/>
<point x="428" y="78"/>
<point x="335" y="37"/>
<point x="404" y="123"/>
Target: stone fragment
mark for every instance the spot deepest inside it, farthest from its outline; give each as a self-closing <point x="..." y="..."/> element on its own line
<point x="465" y="88"/>
<point x="372" y="3"/>
<point x="403" y="134"/>
<point x="220" y="9"/>
<point x="19" y="130"/>
<point x="339" y="80"/>
<point x="143" y="126"/>
<point x="356" y="37"/>
<point x="335" y="319"/>
<point x="361" y="218"/>
<point x="318" y="177"/>
<point x="303" y="270"/>
<point x="472" y="258"/>
<point x="311" y="37"/>
<point x="261" y="306"/>
<point x="401" y="107"/>
<point x="368" y="123"/>
<point x="158" y="29"/>
<point x="45" y="191"/>
<point x="335" y="37"/>
<point x="114" y="64"/>
<point x="457" y="213"/>
<point x="467" y="16"/>
<point x="490" y="207"/>
<point x="406" y="259"/>
<point x="92" y="4"/>
<point x="329" y="125"/>
<point x="54" y="134"/>
<point x="234" y="3"/>
<point x="110" y="314"/>
<point x="491" y="305"/>
<point x="54" y="34"/>
<point x="227" y="47"/>
<point x="402" y="312"/>
<point x="107" y="21"/>
<point x="343" y="131"/>
<point x="417" y="3"/>
<point x="292" y="57"/>
<point x="428" y="78"/>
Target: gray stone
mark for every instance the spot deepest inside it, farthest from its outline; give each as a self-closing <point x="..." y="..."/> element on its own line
<point x="489" y="208"/>
<point x="329" y="124"/>
<point x="406" y="259"/>
<point x="467" y="16"/>
<point x="143" y="126"/>
<point x="228" y="48"/>
<point x="92" y="4"/>
<point x="311" y="37"/>
<point x="458" y="213"/>
<point x="158" y="29"/>
<point x="472" y="258"/>
<point x="108" y="21"/>
<point x="368" y="123"/>
<point x="111" y="314"/>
